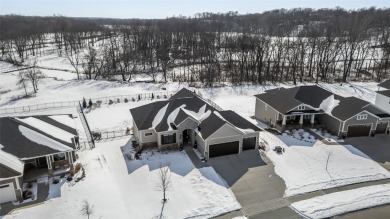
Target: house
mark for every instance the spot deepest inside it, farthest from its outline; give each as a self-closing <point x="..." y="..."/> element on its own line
<point x="187" y="119"/>
<point x="382" y="99"/>
<point x="32" y="148"/>
<point x="310" y="106"/>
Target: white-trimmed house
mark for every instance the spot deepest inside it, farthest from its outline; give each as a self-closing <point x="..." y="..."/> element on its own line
<point x="33" y="147"/>
<point x="186" y="119"/>
<point x="382" y="99"/>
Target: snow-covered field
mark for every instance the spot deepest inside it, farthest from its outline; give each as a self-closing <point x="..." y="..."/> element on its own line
<point x="307" y="168"/>
<point x="330" y="205"/>
<point x="121" y="188"/>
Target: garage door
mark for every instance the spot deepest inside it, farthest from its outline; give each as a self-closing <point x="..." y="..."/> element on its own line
<point x="381" y="128"/>
<point x="7" y="193"/>
<point x="216" y="150"/>
<point x="358" y="130"/>
<point x="249" y="143"/>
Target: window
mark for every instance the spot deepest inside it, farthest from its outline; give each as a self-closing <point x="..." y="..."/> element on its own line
<point x="148" y="134"/>
<point x="301" y="107"/>
<point x="306" y="116"/>
<point x="58" y="157"/>
<point x="362" y="117"/>
<point x="168" y="139"/>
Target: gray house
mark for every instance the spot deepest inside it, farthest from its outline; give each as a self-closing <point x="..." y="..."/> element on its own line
<point x="187" y="119"/>
<point x="382" y="99"/>
<point x="309" y="106"/>
<point x="32" y="148"/>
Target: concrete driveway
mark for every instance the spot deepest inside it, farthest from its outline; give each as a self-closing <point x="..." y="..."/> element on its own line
<point x="252" y="179"/>
<point x="378" y="147"/>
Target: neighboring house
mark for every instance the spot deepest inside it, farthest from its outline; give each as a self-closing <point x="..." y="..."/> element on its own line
<point x="309" y="106"/>
<point x="188" y="119"/>
<point x="32" y="148"/>
<point x="382" y="99"/>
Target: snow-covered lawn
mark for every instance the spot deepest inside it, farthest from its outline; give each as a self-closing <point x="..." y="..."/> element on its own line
<point x="113" y="117"/>
<point x="305" y="169"/>
<point x="121" y="188"/>
<point x="330" y="205"/>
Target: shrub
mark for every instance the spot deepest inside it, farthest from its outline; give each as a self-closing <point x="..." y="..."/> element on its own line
<point x="110" y="102"/>
<point x="84" y="103"/>
<point x="126" y="100"/>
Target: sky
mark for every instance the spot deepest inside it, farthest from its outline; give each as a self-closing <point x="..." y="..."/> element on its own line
<point x="166" y="8"/>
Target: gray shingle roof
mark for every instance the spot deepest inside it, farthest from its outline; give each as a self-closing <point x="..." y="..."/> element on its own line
<point x="385" y="84"/>
<point x="238" y="121"/>
<point x="376" y="111"/>
<point x="210" y="125"/>
<point x="384" y="92"/>
<point x="15" y="143"/>
<point x="312" y="95"/>
<point x="6" y="172"/>
<point x="348" y="107"/>
<point x="281" y="99"/>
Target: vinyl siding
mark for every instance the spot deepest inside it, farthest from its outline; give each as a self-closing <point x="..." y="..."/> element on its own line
<point x="353" y="121"/>
<point x="330" y="123"/>
<point x="268" y="116"/>
<point x="383" y="102"/>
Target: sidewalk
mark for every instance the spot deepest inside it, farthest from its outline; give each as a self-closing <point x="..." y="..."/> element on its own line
<point x="195" y="159"/>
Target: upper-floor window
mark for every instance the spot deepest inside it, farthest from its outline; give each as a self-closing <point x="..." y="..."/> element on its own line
<point x="362" y="117"/>
<point x="301" y="107"/>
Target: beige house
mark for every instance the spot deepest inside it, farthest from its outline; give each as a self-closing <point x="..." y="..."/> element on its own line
<point x="187" y="119"/>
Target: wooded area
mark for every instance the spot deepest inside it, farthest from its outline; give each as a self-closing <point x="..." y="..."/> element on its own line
<point x="281" y="45"/>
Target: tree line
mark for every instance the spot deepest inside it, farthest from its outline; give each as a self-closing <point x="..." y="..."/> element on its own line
<point x="281" y="45"/>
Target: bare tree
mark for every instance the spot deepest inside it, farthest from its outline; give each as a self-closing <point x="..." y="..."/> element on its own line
<point x="164" y="182"/>
<point x="22" y="81"/>
<point x="86" y="209"/>
<point x="34" y="75"/>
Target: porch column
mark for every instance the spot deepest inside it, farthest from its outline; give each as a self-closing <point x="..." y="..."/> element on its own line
<point x="301" y="121"/>
<point x="312" y="120"/>
<point x="284" y="122"/>
<point x="49" y="164"/>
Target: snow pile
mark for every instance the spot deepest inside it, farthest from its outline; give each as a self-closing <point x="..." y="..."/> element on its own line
<point x="10" y="161"/>
<point x="172" y="116"/>
<point x="64" y="119"/>
<point x="305" y="169"/>
<point x="159" y="116"/>
<point x="48" y="128"/>
<point x="330" y="205"/>
<point x="42" y="139"/>
<point x="201" y="115"/>
<point x="329" y="104"/>
<point x="122" y="188"/>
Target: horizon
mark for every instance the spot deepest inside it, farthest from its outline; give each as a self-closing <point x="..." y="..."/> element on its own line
<point x="156" y="9"/>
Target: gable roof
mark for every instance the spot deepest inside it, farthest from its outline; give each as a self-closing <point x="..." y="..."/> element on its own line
<point x="27" y="137"/>
<point x="10" y="166"/>
<point x="376" y="111"/>
<point x="385" y="84"/>
<point x="159" y="115"/>
<point x="210" y="125"/>
<point x="238" y="121"/>
<point x="283" y="100"/>
<point x="384" y="92"/>
<point x="348" y="107"/>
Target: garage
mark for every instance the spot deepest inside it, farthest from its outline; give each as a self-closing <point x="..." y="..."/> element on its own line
<point x="7" y="193"/>
<point x="358" y="130"/>
<point x="249" y="143"/>
<point x="381" y="128"/>
<point x="222" y="149"/>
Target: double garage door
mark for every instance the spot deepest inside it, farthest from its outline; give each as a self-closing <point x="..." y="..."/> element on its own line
<point x="7" y="193"/>
<point x="222" y="149"/>
<point x="358" y="130"/>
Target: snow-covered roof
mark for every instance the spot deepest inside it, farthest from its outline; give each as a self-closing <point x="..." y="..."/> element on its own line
<point x="10" y="166"/>
<point x="35" y="136"/>
<point x="167" y="115"/>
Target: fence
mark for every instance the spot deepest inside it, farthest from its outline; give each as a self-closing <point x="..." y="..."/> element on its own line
<point x="100" y="136"/>
<point x="87" y="130"/>
<point x="74" y="103"/>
